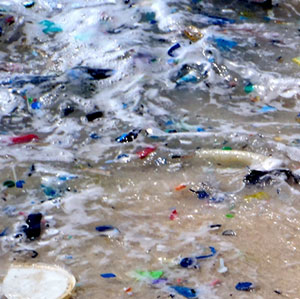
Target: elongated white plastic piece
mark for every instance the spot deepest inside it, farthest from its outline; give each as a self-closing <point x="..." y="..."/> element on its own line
<point x="237" y="158"/>
<point x="38" y="281"/>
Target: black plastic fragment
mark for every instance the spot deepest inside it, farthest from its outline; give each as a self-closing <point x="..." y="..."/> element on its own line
<point x="94" y="115"/>
<point x="33" y="228"/>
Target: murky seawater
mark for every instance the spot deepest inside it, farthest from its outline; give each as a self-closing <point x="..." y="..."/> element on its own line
<point x="104" y="107"/>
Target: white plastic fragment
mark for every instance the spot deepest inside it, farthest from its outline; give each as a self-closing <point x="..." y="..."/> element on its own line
<point x="222" y="268"/>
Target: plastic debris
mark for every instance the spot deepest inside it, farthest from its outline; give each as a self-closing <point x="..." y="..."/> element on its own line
<point x="201" y="193"/>
<point x="249" y="88"/>
<point x="128" y="290"/>
<point x="149" y="274"/>
<point x="193" y="33"/>
<point x="245" y="286"/>
<point x="50" y="27"/>
<point x="180" y="187"/>
<point x="259" y="195"/>
<point x="173" y="49"/>
<point x="108" y="275"/>
<point x="9" y="184"/>
<point x="33" y="227"/>
<point x="146" y="152"/>
<point x="24" y="139"/>
<point x="28" y="4"/>
<point x="128" y="137"/>
<point x="222" y="268"/>
<point x="189" y="262"/>
<point x="229" y="215"/>
<point x="190" y="73"/>
<point x="173" y="215"/>
<point x="226" y="148"/>
<point x="94" y="115"/>
<point x="296" y="60"/>
<point x="229" y="232"/>
<point x="20" y="183"/>
<point x="4" y="232"/>
<point x="33" y="253"/>
<point x="108" y="231"/>
<point x="215" y="20"/>
<point x="215" y="226"/>
<point x="185" y="291"/>
<point x="267" y="108"/>
<point x="224" y="44"/>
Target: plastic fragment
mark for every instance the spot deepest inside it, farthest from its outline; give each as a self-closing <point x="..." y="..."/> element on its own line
<point x="229" y="232"/>
<point x="20" y="183"/>
<point x="28" y="4"/>
<point x="215" y="20"/>
<point x="107" y="231"/>
<point x="149" y="274"/>
<point x="267" y="108"/>
<point x="4" y="232"/>
<point x="94" y="136"/>
<point x="213" y="252"/>
<point x="229" y="215"/>
<point x="185" y="291"/>
<point x="188" y="262"/>
<point x="259" y="195"/>
<point x="225" y="44"/>
<point x="245" y="286"/>
<point x="128" y="137"/>
<point x="108" y="275"/>
<point x="34" y="253"/>
<point x="222" y="268"/>
<point x="296" y="60"/>
<point x="94" y="115"/>
<point x="226" y="148"/>
<point x="36" y="105"/>
<point x="146" y="152"/>
<point x="50" y="27"/>
<point x="173" y="215"/>
<point x="201" y="193"/>
<point x="33" y="227"/>
<point x="249" y="88"/>
<point x="215" y="226"/>
<point x="128" y="290"/>
<point x="9" y="184"/>
<point x="24" y="139"/>
<point x="180" y="187"/>
<point x="172" y="49"/>
<point x="193" y="33"/>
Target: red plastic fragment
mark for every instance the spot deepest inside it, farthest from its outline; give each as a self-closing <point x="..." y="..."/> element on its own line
<point x="24" y="138"/>
<point x="180" y="187"/>
<point x="145" y="152"/>
<point x="173" y="215"/>
<point x="215" y="282"/>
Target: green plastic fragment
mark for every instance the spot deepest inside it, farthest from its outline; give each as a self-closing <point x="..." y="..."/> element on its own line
<point x="9" y="184"/>
<point x="30" y="100"/>
<point x="229" y="215"/>
<point x="249" y="88"/>
<point x="150" y="274"/>
<point x="226" y="148"/>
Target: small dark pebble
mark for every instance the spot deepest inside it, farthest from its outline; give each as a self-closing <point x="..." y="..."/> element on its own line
<point x="277" y="292"/>
<point x="229" y="232"/>
<point x="94" y="115"/>
<point x="176" y="157"/>
<point x="68" y="110"/>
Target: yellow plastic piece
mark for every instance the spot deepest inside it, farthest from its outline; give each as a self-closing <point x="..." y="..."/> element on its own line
<point x="193" y="33"/>
<point x="296" y="60"/>
<point x="259" y="195"/>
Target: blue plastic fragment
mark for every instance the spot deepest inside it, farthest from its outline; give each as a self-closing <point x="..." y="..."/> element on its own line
<point x="49" y="191"/>
<point x="95" y="136"/>
<point x="244" y="286"/>
<point x="122" y="156"/>
<point x="172" y="49"/>
<point x="104" y="228"/>
<point x="267" y="108"/>
<point x="4" y="232"/>
<point x="202" y="194"/>
<point x="188" y="262"/>
<point x="36" y="105"/>
<point x="185" y="292"/>
<point x="108" y="275"/>
<point x="213" y="252"/>
<point x="128" y="137"/>
<point x="187" y="79"/>
<point x="214" y="20"/>
<point x="200" y="130"/>
<point x="225" y="44"/>
<point x="19" y="184"/>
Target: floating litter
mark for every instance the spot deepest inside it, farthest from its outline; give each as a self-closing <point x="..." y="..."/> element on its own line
<point x="38" y="281"/>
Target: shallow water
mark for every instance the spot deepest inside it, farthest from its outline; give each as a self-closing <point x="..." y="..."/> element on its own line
<point x="235" y="87"/>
